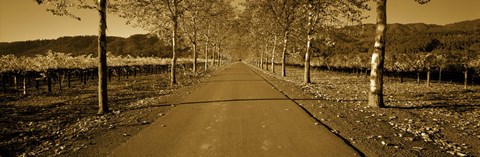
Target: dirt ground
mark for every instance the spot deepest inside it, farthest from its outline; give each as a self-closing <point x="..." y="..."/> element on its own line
<point x="66" y="124"/>
<point x="440" y="120"/>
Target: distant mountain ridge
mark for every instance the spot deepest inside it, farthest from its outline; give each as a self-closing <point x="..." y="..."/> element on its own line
<point x="411" y="38"/>
<point x="400" y="38"/>
<point x="135" y="45"/>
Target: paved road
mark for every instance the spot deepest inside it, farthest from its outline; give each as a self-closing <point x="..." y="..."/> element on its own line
<point x="235" y="113"/>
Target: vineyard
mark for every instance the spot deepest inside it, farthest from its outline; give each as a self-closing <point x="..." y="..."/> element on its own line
<point x="20" y="74"/>
<point x="241" y="78"/>
<point x="403" y="64"/>
<point x="459" y="66"/>
<point x="47" y="99"/>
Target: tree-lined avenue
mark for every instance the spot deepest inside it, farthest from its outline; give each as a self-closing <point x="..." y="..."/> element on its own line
<point x="235" y="113"/>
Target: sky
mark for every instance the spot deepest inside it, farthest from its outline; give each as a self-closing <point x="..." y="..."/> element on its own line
<point x="22" y="20"/>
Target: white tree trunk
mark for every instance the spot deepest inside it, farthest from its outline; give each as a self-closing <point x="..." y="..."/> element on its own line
<point x="375" y="95"/>
<point x="173" y="79"/>
<point x="194" y="68"/>
<point x="206" y="48"/>
<point x="306" y="75"/>
<point x="213" y="53"/>
<point x="102" y="53"/>
<point x="194" y="21"/>
<point x="273" y="54"/>
<point x="285" y="44"/>
<point x="24" y="84"/>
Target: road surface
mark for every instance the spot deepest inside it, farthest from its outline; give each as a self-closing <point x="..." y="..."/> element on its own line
<point x="235" y="113"/>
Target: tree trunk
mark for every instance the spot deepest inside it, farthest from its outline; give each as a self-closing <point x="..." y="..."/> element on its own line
<point x="401" y="77"/>
<point x="220" y="61"/>
<point x="213" y="53"/>
<point x="261" y="59"/>
<point x="37" y="85"/>
<point x="15" y="82"/>
<point x="194" y="66"/>
<point x="60" y="76"/>
<point x="102" y="53"/>
<point x="92" y="73"/>
<point x="127" y="72"/>
<point x="285" y="44"/>
<point x="69" y="75"/>
<point x="206" y="48"/>
<point x="134" y="71"/>
<point x="119" y="73"/>
<point x="173" y="80"/>
<point x="465" y="77"/>
<point x="428" y="76"/>
<point x="25" y="84"/>
<point x="218" y="54"/>
<point x="273" y="54"/>
<point x="194" y="21"/>
<point x="4" y="86"/>
<point x="375" y="96"/>
<point x="215" y="58"/>
<point x="266" y="60"/>
<point x="266" y="56"/>
<point x="49" y="83"/>
<point x="306" y="74"/>
<point x="418" y="77"/>
<point x="84" y="77"/>
<point x="440" y="75"/>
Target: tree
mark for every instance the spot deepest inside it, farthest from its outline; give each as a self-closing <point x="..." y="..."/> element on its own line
<point x="284" y="11"/>
<point x="61" y="9"/>
<point x="224" y="29"/>
<point x="211" y="9"/>
<point x="207" y="38"/>
<point x="375" y="95"/>
<point x="324" y="14"/>
<point x="272" y="67"/>
<point x="173" y="8"/>
<point x="429" y="59"/>
<point x="158" y="17"/>
<point x="442" y="61"/>
<point x="191" y="27"/>
<point x="312" y="19"/>
<point x="259" y="27"/>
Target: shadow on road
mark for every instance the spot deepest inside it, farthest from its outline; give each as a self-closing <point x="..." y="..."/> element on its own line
<point x="239" y="100"/>
<point x="210" y="81"/>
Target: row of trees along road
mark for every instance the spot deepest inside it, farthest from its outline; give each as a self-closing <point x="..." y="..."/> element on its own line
<point x="186" y="20"/>
<point x="306" y="22"/>
<point x="316" y="24"/>
<point x="303" y="26"/>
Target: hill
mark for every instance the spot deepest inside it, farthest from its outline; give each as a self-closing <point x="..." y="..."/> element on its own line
<point x="411" y="38"/>
<point x="401" y="38"/>
<point x="135" y="45"/>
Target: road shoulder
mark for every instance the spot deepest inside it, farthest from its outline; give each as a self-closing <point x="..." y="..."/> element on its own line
<point x="371" y="136"/>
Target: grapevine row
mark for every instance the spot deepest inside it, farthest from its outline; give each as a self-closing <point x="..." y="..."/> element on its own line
<point x="19" y="73"/>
